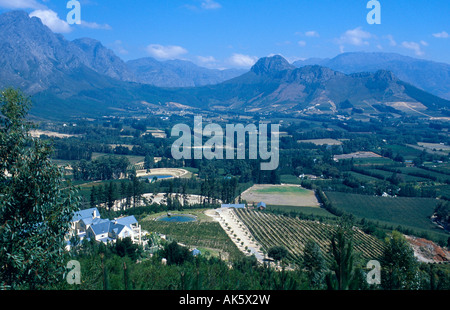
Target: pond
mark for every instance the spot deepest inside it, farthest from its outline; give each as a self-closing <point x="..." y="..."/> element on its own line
<point x="179" y="218"/>
<point x="159" y="177"/>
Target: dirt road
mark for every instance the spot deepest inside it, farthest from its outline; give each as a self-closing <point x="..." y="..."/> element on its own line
<point x="237" y="231"/>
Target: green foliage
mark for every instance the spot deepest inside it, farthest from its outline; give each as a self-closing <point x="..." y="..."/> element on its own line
<point x="442" y="212"/>
<point x="36" y="204"/>
<point x="343" y="275"/>
<point x="277" y="252"/>
<point x="104" y="168"/>
<point x="126" y="247"/>
<point x="399" y="266"/>
<point x="176" y="254"/>
<point x="314" y="264"/>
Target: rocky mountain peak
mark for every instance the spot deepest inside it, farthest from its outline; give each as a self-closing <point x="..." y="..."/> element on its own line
<point x="274" y="64"/>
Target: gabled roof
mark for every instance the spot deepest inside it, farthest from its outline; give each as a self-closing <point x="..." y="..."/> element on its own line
<point x="261" y="204"/>
<point x="127" y="221"/>
<point x="83" y="214"/>
<point x="101" y="227"/>
<point x="117" y="228"/>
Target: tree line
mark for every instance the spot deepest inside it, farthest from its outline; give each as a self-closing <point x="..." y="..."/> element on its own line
<point x="103" y="168"/>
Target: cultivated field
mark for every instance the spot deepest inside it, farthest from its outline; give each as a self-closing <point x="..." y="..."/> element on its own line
<point x="408" y="212"/>
<point x="281" y="195"/>
<point x="274" y="230"/>
<point x="37" y="133"/>
<point x="204" y="234"/>
<point x="321" y="141"/>
<point x="357" y="155"/>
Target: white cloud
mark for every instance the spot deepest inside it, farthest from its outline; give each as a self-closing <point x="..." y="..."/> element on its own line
<point x="392" y="42"/>
<point x="94" y="25"/>
<point x="52" y="21"/>
<point x="209" y="62"/>
<point x="206" y="59"/>
<point x="210" y="5"/>
<point x="301" y="43"/>
<point x="117" y="46"/>
<point x="441" y="35"/>
<point x="48" y="17"/>
<point x="21" y="4"/>
<point x="312" y="33"/>
<point x="289" y="59"/>
<point x="241" y="60"/>
<point x="424" y="43"/>
<point x="165" y="52"/>
<point x="357" y="37"/>
<point x="414" y="47"/>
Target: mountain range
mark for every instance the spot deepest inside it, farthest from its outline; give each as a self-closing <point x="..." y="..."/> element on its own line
<point x="34" y="58"/>
<point x="433" y="77"/>
<point x="274" y="85"/>
<point x="177" y="73"/>
<point x="84" y="78"/>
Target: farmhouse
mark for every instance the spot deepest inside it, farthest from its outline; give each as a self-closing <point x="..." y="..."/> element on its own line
<point x="88" y="224"/>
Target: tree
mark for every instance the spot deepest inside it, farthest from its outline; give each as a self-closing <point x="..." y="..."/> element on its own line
<point x="277" y="252"/>
<point x="112" y="195"/>
<point x="343" y="275"/>
<point x="126" y="247"/>
<point x="442" y="212"/>
<point x="314" y="264"/>
<point x="36" y="204"/>
<point x="148" y="162"/>
<point x="93" y="196"/>
<point x="176" y="254"/>
<point x="399" y="266"/>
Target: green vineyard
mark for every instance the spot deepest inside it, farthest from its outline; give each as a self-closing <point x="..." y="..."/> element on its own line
<point x="292" y="233"/>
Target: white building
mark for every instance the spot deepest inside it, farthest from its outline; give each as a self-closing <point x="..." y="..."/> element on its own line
<point x="88" y="224"/>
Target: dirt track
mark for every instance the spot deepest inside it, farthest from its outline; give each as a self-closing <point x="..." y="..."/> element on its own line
<point x="175" y="172"/>
<point x="237" y="231"/>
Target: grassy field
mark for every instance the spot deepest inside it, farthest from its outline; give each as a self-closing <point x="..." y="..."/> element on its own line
<point x="290" y="179"/>
<point x="372" y="161"/>
<point x="134" y="159"/>
<point x="406" y="151"/>
<point x="403" y="176"/>
<point x="362" y="177"/>
<point x="285" y="195"/>
<point x="412" y="213"/>
<point x="288" y="190"/>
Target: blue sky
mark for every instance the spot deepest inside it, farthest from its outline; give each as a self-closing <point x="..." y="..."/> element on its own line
<point x="235" y="33"/>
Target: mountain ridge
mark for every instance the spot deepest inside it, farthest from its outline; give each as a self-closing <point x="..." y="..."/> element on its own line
<point x="82" y="78"/>
<point x="177" y="73"/>
<point x="431" y="76"/>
